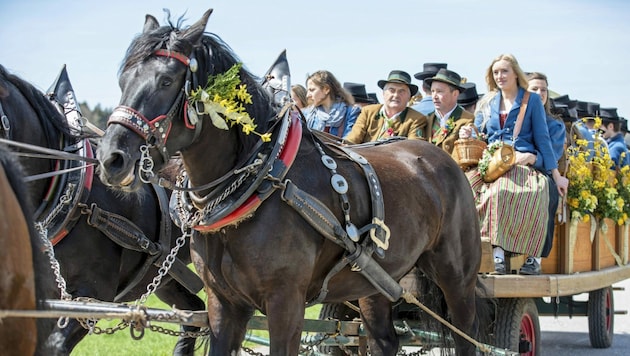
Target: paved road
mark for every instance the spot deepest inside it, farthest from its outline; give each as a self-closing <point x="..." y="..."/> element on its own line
<point x="566" y="336"/>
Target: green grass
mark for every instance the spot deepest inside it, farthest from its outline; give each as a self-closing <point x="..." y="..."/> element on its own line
<point x="154" y="344"/>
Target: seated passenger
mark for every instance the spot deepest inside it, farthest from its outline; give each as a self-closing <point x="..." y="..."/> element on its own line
<point x="393" y="117"/>
<point x="448" y="116"/>
<point x="333" y="109"/>
<point x="611" y="127"/>
<point x="537" y="83"/>
<point x="522" y="192"/>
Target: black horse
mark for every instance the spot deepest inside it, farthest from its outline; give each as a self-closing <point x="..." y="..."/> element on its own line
<point x="92" y="226"/>
<point x="271" y="216"/>
<point x="27" y="279"/>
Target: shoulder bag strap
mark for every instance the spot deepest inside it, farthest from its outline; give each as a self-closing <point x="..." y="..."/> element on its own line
<point x="521" y="115"/>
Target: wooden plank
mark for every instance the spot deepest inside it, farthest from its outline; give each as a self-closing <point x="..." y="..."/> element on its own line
<point x="551" y="285"/>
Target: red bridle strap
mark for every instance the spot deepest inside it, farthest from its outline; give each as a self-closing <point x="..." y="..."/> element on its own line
<point x="172" y="54"/>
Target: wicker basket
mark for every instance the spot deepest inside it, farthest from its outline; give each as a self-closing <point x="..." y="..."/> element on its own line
<point x="469" y="150"/>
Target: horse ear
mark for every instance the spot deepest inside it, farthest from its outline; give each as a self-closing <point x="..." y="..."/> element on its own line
<point x="194" y="32"/>
<point x="150" y="24"/>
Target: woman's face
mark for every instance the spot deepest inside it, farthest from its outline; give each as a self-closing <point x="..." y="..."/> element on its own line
<point x="539" y="86"/>
<point x="316" y="93"/>
<point x="504" y="75"/>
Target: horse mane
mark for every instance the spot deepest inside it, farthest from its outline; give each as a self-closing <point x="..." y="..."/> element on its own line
<point x="49" y="117"/>
<point x="213" y="56"/>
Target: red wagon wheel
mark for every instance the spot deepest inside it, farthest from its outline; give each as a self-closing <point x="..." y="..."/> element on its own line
<point x="601" y="317"/>
<point x="517" y="326"/>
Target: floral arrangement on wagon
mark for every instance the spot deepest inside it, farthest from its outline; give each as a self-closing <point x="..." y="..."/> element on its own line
<point x="597" y="191"/>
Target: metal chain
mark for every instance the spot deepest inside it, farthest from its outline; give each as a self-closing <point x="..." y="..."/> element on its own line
<point x="64" y="200"/>
<point x="54" y="264"/>
<point x="166" y="266"/>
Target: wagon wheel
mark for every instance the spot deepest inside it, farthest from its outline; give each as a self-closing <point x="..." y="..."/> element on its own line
<point x="340" y="312"/>
<point x="517" y="326"/>
<point x="601" y="317"/>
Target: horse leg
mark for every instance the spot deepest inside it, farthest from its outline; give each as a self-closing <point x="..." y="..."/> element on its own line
<point x="174" y="294"/>
<point x="228" y="325"/>
<point x="376" y="313"/>
<point x="285" y="317"/>
<point x="63" y="341"/>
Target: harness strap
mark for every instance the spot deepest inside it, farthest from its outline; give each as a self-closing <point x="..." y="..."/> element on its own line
<point x="128" y="235"/>
<point x="379" y="232"/>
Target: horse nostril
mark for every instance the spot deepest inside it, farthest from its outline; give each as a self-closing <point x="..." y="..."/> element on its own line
<point x="114" y="161"/>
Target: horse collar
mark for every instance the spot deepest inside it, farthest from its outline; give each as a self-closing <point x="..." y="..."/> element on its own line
<point x="229" y="208"/>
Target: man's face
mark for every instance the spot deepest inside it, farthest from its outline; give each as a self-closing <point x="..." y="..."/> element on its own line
<point x="395" y="97"/>
<point x="444" y="96"/>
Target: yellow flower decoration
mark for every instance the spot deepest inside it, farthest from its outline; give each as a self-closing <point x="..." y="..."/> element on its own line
<point x="223" y="99"/>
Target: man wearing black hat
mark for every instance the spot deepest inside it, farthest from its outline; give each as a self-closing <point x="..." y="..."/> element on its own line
<point x="425" y="105"/>
<point x="468" y="98"/>
<point x="393" y="117"/>
<point x="611" y="126"/>
<point x="448" y="116"/>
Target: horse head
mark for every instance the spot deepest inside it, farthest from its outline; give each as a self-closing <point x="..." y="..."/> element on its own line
<point x="160" y="112"/>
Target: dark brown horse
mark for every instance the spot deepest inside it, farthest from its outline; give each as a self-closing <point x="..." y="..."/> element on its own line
<point x="100" y="255"/>
<point x="257" y="251"/>
<point x="26" y="278"/>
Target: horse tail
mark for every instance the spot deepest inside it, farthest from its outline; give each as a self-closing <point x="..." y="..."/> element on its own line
<point x="432" y="297"/>
<point x="485" y="312"/>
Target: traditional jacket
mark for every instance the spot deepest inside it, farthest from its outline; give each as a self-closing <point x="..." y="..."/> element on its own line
<point x="534" y="136"/>
<point x="371" y="125"/>
<point x="445" y="137"/>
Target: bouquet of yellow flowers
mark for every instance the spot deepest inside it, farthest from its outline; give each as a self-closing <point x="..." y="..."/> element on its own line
<point x="580" y="199"/>
<point x="623" y="189"/>
<point x="223" y="99"/>
<point x="594" y="187"/>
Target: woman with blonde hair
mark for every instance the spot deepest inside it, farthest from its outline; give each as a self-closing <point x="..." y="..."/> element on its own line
<point x="333" y="108"/>
<point x="523" y="191"/>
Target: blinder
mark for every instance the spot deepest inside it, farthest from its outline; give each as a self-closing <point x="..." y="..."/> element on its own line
<point x="155" y="131"/>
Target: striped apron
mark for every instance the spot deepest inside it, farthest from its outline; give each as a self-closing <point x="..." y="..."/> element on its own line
<point x="514" y="209"/>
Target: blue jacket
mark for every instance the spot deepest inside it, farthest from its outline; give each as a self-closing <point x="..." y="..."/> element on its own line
<point x="617" y="146"/>
<point x="534" y="136"/>
<point x="558" y="134"/>
<point x="351" y="117"/>
<point x="425" y="106"/>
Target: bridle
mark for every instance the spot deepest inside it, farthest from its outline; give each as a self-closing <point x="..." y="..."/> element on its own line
<point x="155" y="131"/>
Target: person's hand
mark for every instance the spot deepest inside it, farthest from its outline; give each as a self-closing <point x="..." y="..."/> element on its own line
<point x="561" y="182"/>
<point x="525" y="158"/>
<point x="465" y="131"/>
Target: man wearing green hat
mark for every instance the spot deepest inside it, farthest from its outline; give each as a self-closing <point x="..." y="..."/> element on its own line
<point x="393" y="117"/>
<point x="448" y="116"/>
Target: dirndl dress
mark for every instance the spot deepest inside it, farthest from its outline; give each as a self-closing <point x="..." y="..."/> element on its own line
<point x="514" y="209"/>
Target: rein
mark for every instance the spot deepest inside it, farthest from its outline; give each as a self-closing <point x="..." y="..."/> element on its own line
<point x="49" y="153"/>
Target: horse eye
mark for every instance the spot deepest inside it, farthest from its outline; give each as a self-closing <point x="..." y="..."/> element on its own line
<point x="166" y="82"/>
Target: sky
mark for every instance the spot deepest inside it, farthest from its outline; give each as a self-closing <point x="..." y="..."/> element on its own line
<point x="582" y="46"/>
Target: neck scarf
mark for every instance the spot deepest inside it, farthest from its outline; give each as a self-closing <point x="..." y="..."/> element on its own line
<point x="319" y="119"/>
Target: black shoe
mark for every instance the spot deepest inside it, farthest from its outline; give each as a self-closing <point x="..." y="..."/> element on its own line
<point x="531" y="267"/>
<point x="499" y="266"/>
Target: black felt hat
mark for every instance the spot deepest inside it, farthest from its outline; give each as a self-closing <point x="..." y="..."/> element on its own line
<point x="429" y="70"/>
<point x="469" y="96"/>
<point x="359" y="93"/>
<point x="448" y="77"/>
<point x="562" y="111"/>
<point x="609" y="114"/>
<point x="373" y="97"/>
<point x="399" y="76"/>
